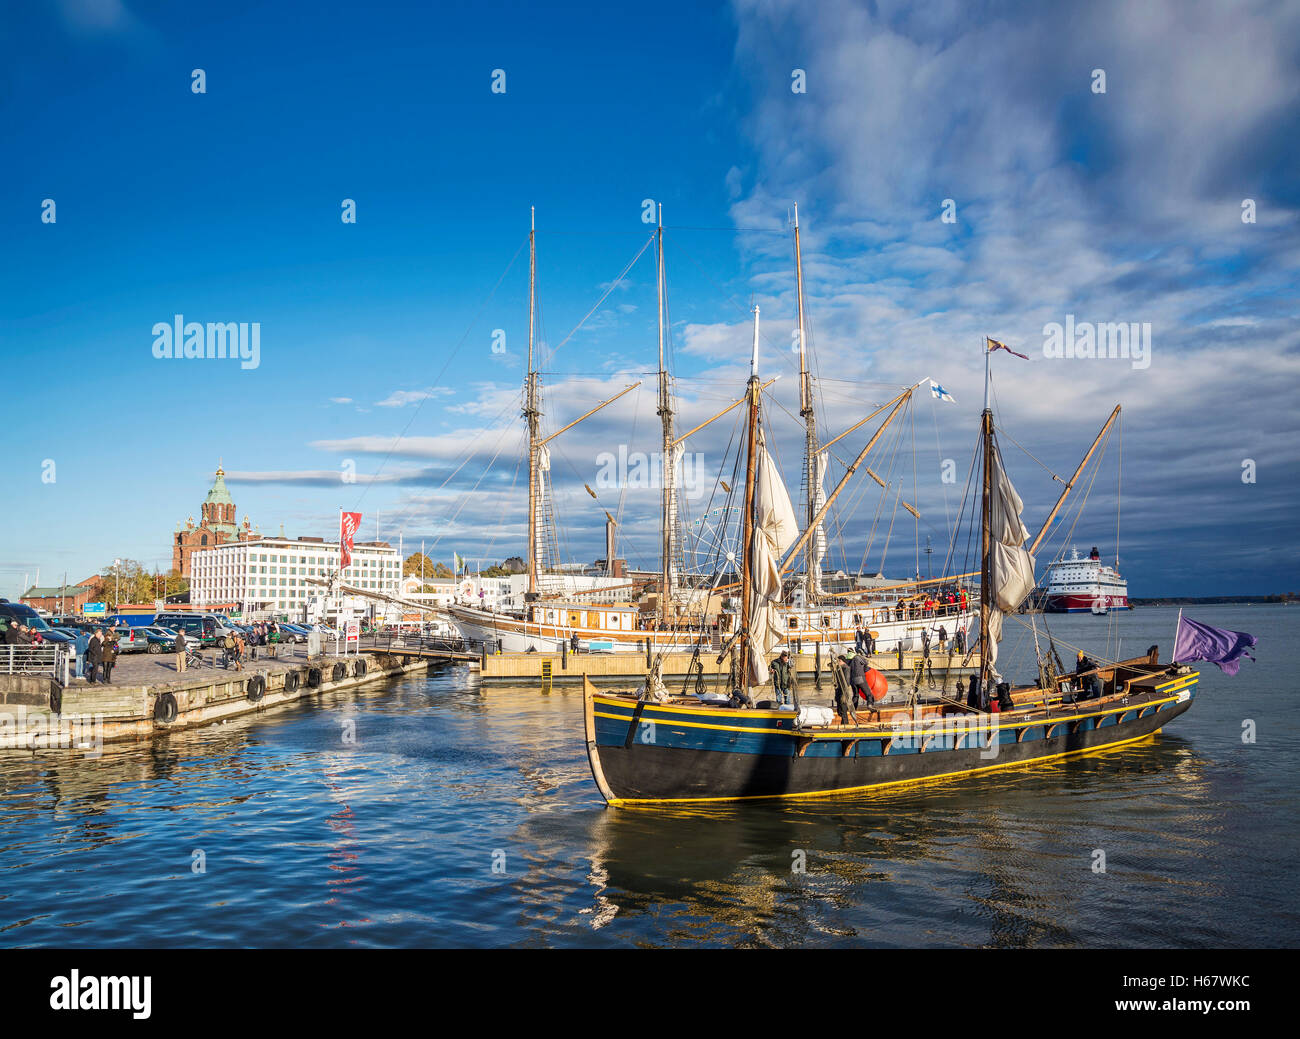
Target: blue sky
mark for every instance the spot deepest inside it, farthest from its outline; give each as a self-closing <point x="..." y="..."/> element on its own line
<point x="376" y="337"/>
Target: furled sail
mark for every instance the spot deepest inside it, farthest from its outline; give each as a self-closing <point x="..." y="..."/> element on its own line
<point x="775" y="530"/>
<point x="1011" y="567"/>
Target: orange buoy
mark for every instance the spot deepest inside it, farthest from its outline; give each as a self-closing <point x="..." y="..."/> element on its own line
<point x="877" y="683"/>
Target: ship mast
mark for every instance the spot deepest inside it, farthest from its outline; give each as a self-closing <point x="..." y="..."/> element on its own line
<point x="532" y="414"/>
<point x="666" y="416"/>
<point x="813" y="569"/>
<point x="747" y="528"/>
<point x="986" y="524"/>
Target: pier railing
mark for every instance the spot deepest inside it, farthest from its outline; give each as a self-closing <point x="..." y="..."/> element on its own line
<point x="450" y="645"/>
<point x="24" y="659"/>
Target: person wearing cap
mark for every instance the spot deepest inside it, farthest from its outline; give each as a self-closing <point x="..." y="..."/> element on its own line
<point x="858" y="676"/>
<point x="1089" y="687"/>
<point x="782" y="677"/>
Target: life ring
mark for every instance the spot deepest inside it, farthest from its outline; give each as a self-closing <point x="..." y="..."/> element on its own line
<point x="340" y="671"/>
<point x="360" y="668"/>
<point x="164" y="708"/>
<point x="291" y="681"/>
<point x="313" y="677"/>
<point x="256" y="688"/>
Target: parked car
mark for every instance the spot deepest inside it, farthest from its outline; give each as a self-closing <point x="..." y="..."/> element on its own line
<point x="18" y="613"/>
<point x="131" y="639"/>
<point x="293" y="633"/>
<point x="208" y="628"/>
<point x="160" y="640"/>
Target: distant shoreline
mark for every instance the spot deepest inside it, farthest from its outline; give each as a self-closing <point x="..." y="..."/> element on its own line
<point x="1215" y="600"/>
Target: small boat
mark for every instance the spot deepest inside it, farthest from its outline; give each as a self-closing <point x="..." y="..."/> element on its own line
<point x="650" y="747"/>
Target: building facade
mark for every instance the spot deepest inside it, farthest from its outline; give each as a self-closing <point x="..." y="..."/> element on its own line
<point x="216" y="526"/>
<point x="280" y="577"/>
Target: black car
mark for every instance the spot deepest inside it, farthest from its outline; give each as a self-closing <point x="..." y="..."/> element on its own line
<point x="12" y="613"/>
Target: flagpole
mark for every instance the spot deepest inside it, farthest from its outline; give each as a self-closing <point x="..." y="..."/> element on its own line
<point x="1178" y="624"/>
<point x="985" y="343"/>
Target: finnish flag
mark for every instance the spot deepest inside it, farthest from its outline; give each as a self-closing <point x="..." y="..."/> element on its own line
<point x="938" y="391"/>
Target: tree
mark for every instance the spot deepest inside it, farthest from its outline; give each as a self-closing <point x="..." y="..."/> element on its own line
<point x="412" y="565"/>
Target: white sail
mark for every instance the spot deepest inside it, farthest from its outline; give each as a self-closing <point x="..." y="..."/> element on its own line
<point x="1011" y="567"/>
<point x="775" y="530"/>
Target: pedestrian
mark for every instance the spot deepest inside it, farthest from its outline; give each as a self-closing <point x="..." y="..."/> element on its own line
<point x="860" y="639"/>
<point x="943" y="638"/>
<point x="782" y="678"/>
<point x="108" y="656"/>
<point x="180" y="650"/>
<point x="843" y="691"/>
<point x="94" y="656"/>
<point x="239" y="651"/>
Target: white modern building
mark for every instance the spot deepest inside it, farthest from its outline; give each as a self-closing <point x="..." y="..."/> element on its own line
<point x="278" y="577"/>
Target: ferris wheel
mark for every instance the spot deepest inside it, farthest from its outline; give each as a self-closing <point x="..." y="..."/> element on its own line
<point x="711" y="542"/>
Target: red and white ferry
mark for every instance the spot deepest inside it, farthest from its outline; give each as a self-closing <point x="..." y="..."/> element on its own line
<point x="1078" y="585"/>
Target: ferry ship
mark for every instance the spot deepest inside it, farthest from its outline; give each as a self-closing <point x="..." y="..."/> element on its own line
<point x="1077" y="585"/>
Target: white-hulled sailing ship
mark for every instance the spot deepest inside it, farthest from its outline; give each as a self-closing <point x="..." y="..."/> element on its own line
<point x="696" y="614"/>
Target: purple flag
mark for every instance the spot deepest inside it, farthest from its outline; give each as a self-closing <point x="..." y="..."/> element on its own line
<point x="1218" y="646"/>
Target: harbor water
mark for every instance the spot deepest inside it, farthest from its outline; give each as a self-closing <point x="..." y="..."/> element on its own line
<point x="429" y="812"/>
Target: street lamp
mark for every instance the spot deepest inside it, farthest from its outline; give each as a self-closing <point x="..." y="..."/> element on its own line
<point x="117" y="570"/>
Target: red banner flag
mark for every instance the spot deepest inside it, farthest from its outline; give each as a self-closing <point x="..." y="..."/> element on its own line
<point x="348" y="524"/>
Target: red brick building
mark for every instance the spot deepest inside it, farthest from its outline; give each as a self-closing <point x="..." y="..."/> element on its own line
<point x="216" y="526"/>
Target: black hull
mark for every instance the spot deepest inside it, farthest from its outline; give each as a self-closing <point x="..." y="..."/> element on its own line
<point x="644" y="772"/>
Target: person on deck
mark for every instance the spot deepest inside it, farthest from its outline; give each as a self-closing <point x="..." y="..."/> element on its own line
<point x="843" y="691"/>
<point x="960" y="639"/>
<point x="858" y="677"/>
<point x="860" y="639"/>
<point x="925" y="643"/>
<point x="1089" y="686"/>
<point x="943" y="639"/>
<point x="782" y="678"/>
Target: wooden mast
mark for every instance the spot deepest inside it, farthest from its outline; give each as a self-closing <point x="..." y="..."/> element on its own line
<point x="986" y="523"/>
<point x="810" y="421"/>
<point x="747" y="535"/>
<point x="666" y="416"/>
<point x="793" y="552"/>
<point x="531" y="412"/>
<point x="1070" y="485"/>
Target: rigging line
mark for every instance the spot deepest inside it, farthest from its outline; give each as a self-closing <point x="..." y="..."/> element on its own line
<point x="519" y="461"/>
<point x="466" y="499"/>
<point x="916" y="520"/>
<point x="1119" y="482"/>
<point x="938" y="450"/>
<point x="612" y="286"/>
<point x="450" y="357"/>
<point x="469" y="454"/>
<point x="730" y="230"/>
<point x="1046" y="468"/>
<point x="1083" y="501"/>
<point x="950" y="560"/>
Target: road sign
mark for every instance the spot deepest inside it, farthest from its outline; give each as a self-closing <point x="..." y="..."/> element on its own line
<point x="353" y="632"/>
<point x="94" y="609"/>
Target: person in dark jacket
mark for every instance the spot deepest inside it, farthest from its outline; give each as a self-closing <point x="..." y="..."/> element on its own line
<point x="180" y="650"/>
<point x="858" y="676"/>
<point x="843" y="691"/>
<point x="1089" y="686"/>
<point x="108" y="657"/>
<point x="94" y="656"/>
<point x="782" y="677"/>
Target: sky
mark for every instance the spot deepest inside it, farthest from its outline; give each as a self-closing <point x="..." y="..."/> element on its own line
<point x="960" y="171"/>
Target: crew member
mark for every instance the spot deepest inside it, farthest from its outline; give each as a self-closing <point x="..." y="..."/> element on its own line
<point x="782" y="677"/>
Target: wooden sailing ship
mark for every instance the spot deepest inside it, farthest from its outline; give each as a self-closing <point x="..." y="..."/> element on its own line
<point x="651" y="747"/>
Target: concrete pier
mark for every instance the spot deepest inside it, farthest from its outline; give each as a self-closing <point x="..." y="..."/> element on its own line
<point x="36" y="713"/>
